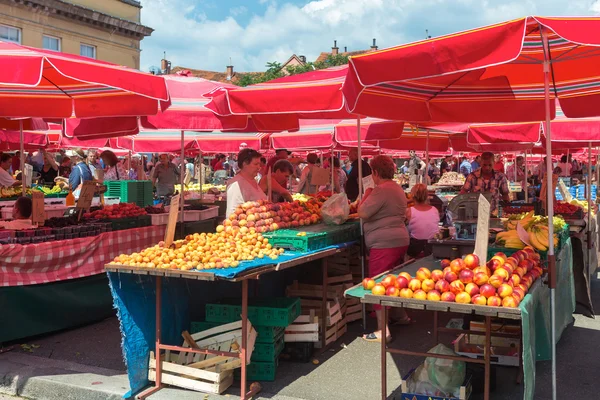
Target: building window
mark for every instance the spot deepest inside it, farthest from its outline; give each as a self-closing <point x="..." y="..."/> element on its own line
<point x="10" y="34"/>
<point x="87" y="51"/>
<point x="51" y="43"/>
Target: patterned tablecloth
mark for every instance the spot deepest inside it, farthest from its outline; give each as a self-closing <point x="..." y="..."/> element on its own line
<point x="70" y="259"/>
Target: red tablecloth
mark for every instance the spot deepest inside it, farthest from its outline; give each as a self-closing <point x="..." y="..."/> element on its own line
<point x="69" y="259"/>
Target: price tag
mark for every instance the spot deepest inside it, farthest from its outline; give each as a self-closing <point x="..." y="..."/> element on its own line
<point x="172" y="223"/>
<point x="483" y="225"/>
<point x="320" y="176"/>
<point x="367" y="182"/>
<point x="38" y="214"/>
<point x="564" y="191"/>
<point x="88" y="189"/>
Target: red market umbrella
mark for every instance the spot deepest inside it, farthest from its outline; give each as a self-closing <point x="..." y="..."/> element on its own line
<point x="278" y="104"/>
<point x="28" y="124"/>
<point x="48" y="84"/>
<point x="490" y="74"/>
<point x="188" y="111"/>
<point x="32" y="140"/>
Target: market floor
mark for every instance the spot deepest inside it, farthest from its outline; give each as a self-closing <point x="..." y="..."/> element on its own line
<point x="350" y="370"/>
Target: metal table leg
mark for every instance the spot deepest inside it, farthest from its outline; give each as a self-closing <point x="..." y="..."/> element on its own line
<point x="384" y="315"/>
<point x="487" y="357"/>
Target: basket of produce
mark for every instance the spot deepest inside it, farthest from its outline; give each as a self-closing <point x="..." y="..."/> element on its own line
<point x="568" y="210"/>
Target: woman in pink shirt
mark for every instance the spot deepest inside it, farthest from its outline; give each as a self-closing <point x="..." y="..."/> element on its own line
<point x="423" y="220"/>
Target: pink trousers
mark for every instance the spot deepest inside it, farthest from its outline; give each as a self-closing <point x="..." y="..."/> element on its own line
<point x="381" y="260"/>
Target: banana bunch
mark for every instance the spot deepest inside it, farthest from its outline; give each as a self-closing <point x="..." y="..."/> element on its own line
<point x="46" y="190"/>
<point x="301" y="197"/>
<point x="539" y="237"/>
<point x="9" y="192"/>
<point x="509" y="239"/>
<point x="523" y="219"/>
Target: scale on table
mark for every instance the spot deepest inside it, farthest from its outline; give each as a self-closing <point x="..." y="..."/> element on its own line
<point x="463" y="210"/>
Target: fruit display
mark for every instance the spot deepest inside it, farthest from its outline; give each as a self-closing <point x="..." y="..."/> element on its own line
<point x="265" y="216"/>
<point x="56" y="189"/>
<point x="510" y="210"/>
<point x="536" y="228"/>
<point x="158" y="209"/>
<point x="452" y="179"/>
<point x="564" y="208"/>
<point x="301" y="197"/>
<point x="502" y="282"/>
<point x="7" y="192"/>
<point x="115" y="211"/>
<point x="206" y="188"/>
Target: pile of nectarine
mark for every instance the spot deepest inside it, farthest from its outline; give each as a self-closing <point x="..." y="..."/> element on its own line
<point x="502" y="282"/>
<point x="265" y="216"/>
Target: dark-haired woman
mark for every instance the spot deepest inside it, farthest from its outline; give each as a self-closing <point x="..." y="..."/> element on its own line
<point x="244" y="187"/>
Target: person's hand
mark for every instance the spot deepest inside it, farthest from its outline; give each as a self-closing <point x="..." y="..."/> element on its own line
<point x="368" y="192"/>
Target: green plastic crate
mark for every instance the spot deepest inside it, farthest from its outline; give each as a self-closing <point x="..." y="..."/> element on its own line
<point x="144" y="220"/>
<point x="264" y="334"/>
<point x="278" y="311"/>
<point x="289" y="239"/>
<point x="260" y="371"/>
<point x="138" y="192"/>
<point x="268" y="351"/>
<point x="124" y="223"/>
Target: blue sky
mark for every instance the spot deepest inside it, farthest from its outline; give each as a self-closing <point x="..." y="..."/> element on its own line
<point x="206" y="34"/>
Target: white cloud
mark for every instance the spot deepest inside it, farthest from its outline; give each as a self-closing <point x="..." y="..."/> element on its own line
<point x="276" y="30"/>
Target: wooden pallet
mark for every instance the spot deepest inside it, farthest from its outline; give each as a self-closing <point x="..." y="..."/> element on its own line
<point x="304" y="329"/>
<point x="204" y="372"/>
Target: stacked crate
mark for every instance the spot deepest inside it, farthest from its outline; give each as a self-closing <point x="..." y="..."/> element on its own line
<point x="269" y="317"/>
<point x="346" y="268"/>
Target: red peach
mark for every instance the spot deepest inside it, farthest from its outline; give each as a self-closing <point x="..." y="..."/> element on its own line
<point x="427" y="285"/>
<point x="448" y="297"/>
<point x="414" y="284"/>
<point x="406" y="276"/>
<point x="392" y="291"/>
<point x="442" y="286"/>
<point x="445" y="263"/>
<point x="456" y="287"/>
<point x="494" y="301"/>
<point x="420" y="295"/>
<point x="368" y="283"/>
<point x="466" y="276"/>
<point x="434" y="295"/>
<point x="423" y="273"/>
<point x="457" y="265"/>
<point x="509" y="302"/>
<point x="480" y="278"/>
<point x="450" y="276"/>
<point x="496" y="281"/>
<point x="472" y="289"/>
<point x="401" y="282"/>
<point x="406" y="293"/>
<point x="487" y="290"/>
<point x="463" y="298"/>
<point x="471" y="261"/>
<point x="505" y="290"/>
<point x="479" y="300"/>
<point x="437" y="274"/>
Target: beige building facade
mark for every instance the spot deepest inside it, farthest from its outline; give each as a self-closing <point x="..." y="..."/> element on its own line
<point x="107" y="30"/>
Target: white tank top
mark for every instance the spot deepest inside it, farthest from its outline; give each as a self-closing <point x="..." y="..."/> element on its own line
<point x="423" y="225"/>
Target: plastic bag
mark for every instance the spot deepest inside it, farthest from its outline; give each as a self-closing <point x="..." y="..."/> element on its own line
<point x="336" y="209"/>
<point x="438" y="376"/>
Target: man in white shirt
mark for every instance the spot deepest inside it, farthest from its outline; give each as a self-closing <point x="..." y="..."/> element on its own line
<point x="6" y="179"/>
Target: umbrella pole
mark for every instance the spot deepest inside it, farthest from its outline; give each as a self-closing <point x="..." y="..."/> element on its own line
<point x="332" y="172"/>
<point x="589" y="207"/>
<point x="550" y="208"/>
<point x="22" y="149"/>
<point x="526" y="183"/>
<point x="426" y="158"/>
<point x="362" y="242"/>
<point x="181" y="181"/>
<point x="201" y="177"/>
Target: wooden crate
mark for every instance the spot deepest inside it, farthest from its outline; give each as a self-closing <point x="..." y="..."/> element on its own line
<point x="205" y="372"/>
<point x="304" y="329"/>
<point x="353" y="310"/>
<point x="333" y="333"/>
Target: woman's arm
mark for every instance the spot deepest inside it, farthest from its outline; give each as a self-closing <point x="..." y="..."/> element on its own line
<point x="408" y="214"/>
<point x="370" y="205"/>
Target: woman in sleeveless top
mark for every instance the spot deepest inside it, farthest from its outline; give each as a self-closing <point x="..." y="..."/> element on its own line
<point x="423" y="220"/>
<point x="243" y="187"/>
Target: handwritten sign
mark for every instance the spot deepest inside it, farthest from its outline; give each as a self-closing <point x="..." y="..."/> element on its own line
<point x="88" y="189"/>
<point x="38" y="214"/>
<point x="367" y="182"/>
<point x="320" y="176"/>
<point x="172" y="223"/>
<point x="483" y="224"/>
<point x="564" y="191"/>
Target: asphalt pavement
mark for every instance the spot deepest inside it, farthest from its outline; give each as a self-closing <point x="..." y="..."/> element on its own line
<point x="87" y="363"/>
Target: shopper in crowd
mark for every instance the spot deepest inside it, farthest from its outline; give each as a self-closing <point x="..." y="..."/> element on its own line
<point x="499" y="164"/>
<point x="465" y="167"/>
<point x="347" y="166"/>
<point x="221" y="175"/>
<point x="244" y="187"/>
<point x="79" y="173"/>
<point x="576" y="166"/>
<point x="282" y="170"/>
<point x="516" y="173"/>
<point x="6" y="179"/>
<point x="92" y="161"/>
<point x="423" y="220"/>
<point x="404" y="168"/>
<point x="476" y="164"/>
<point x="64" y="169"/>
<point x="21" y="215"/>
<point x="383" y="211"/>
<point x="352" y="184"/>
<point x="114" y="169"/>
<point x="280" y="154"/>
<point x="49" y="170"/>
<point x="446" y="165"/>
<point x="305" y="186"/>
<point x="37" y="160"/>
<point x="433" y="171"/>
<point x="487" y="180"/>
<point x="565" y="166"/>
<point x="136" y="172"/>
<point x="218" y="166"/>
<point x="164" y="176"/>
<point x="16" y="162"/>
<point x="339" y="177"/>
<point x="189" y="167"/>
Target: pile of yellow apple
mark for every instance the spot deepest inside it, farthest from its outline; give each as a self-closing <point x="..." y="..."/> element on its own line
<point x="265" y="216"/>
<point x="502" y="282"/>
<point x="224" y="249"/>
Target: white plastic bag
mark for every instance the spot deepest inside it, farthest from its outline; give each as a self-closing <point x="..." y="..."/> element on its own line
<point x="438" y="376"/>
<point x="336" y="209"/>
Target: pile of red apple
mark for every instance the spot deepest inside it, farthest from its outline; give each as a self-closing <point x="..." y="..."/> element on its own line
<point x="116" y="211"/>
<point x="265" y="216"/>
<point x="502" y="282"/>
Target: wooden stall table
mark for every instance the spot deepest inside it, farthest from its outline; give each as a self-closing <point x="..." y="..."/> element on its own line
<point x="532" y="314"/>
<point x="244" y="278"/>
